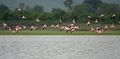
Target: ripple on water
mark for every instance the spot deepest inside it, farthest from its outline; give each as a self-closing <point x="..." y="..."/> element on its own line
<point x="60" y="47"/>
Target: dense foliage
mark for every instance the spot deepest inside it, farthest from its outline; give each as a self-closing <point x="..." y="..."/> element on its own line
<point x="26" y="14"/>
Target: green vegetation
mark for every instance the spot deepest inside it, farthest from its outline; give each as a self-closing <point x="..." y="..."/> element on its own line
<point x="79" y="12"/>
<point x="51" y="32"/>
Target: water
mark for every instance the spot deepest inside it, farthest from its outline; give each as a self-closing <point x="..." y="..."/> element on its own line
<point x="60" y="47"/>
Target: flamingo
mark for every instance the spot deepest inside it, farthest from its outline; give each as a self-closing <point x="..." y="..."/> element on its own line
<point x="5" y="25"/>
<point x="102" y="15"/>
<point x="88" y="23"/>
<point x="119" y="22"/>
<point x="112" y="26"/>
<point x="76" y="27"/>
<point x="96" y="21"/>
<point x="52" y="26"/>
<point x="44" y="26"/>
<point x="99" y="30"/>
<point x="33" y="28"/>
<point x="23" y="17"/>
<point x="24" y="27"/>
<point x="106" y="27"/>
<point x="60" y="20"/>
<point x="19" y="9"/>
<point x="73" y="21"/>
<point x="57" y="25"/>
<point x="17" y="28"/>
<point x="71" y="25"/>
<point x="92" y="29"/>
<point x="37" y="20"/>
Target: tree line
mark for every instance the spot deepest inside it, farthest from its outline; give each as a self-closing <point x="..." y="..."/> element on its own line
<point x="79" y="12"/>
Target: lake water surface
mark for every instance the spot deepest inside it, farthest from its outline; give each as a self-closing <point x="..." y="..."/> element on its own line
<point x="59" y="47"/>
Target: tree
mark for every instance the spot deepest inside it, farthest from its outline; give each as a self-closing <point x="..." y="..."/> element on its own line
<point x="4" y="8"/>
<point x="94" y="3"/>
<point x="68" y="3"/>
<point x="38" y="8"/>
<point x="3" y="11"/>
<point x="58" y="12"/>
<point x="82" y="9"/>
<point x="109" y="8"/>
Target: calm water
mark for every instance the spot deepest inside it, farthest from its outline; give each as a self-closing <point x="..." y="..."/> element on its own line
<point x="60" y="47"/>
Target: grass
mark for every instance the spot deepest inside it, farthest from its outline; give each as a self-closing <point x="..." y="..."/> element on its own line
<point x="51" y="32"/>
